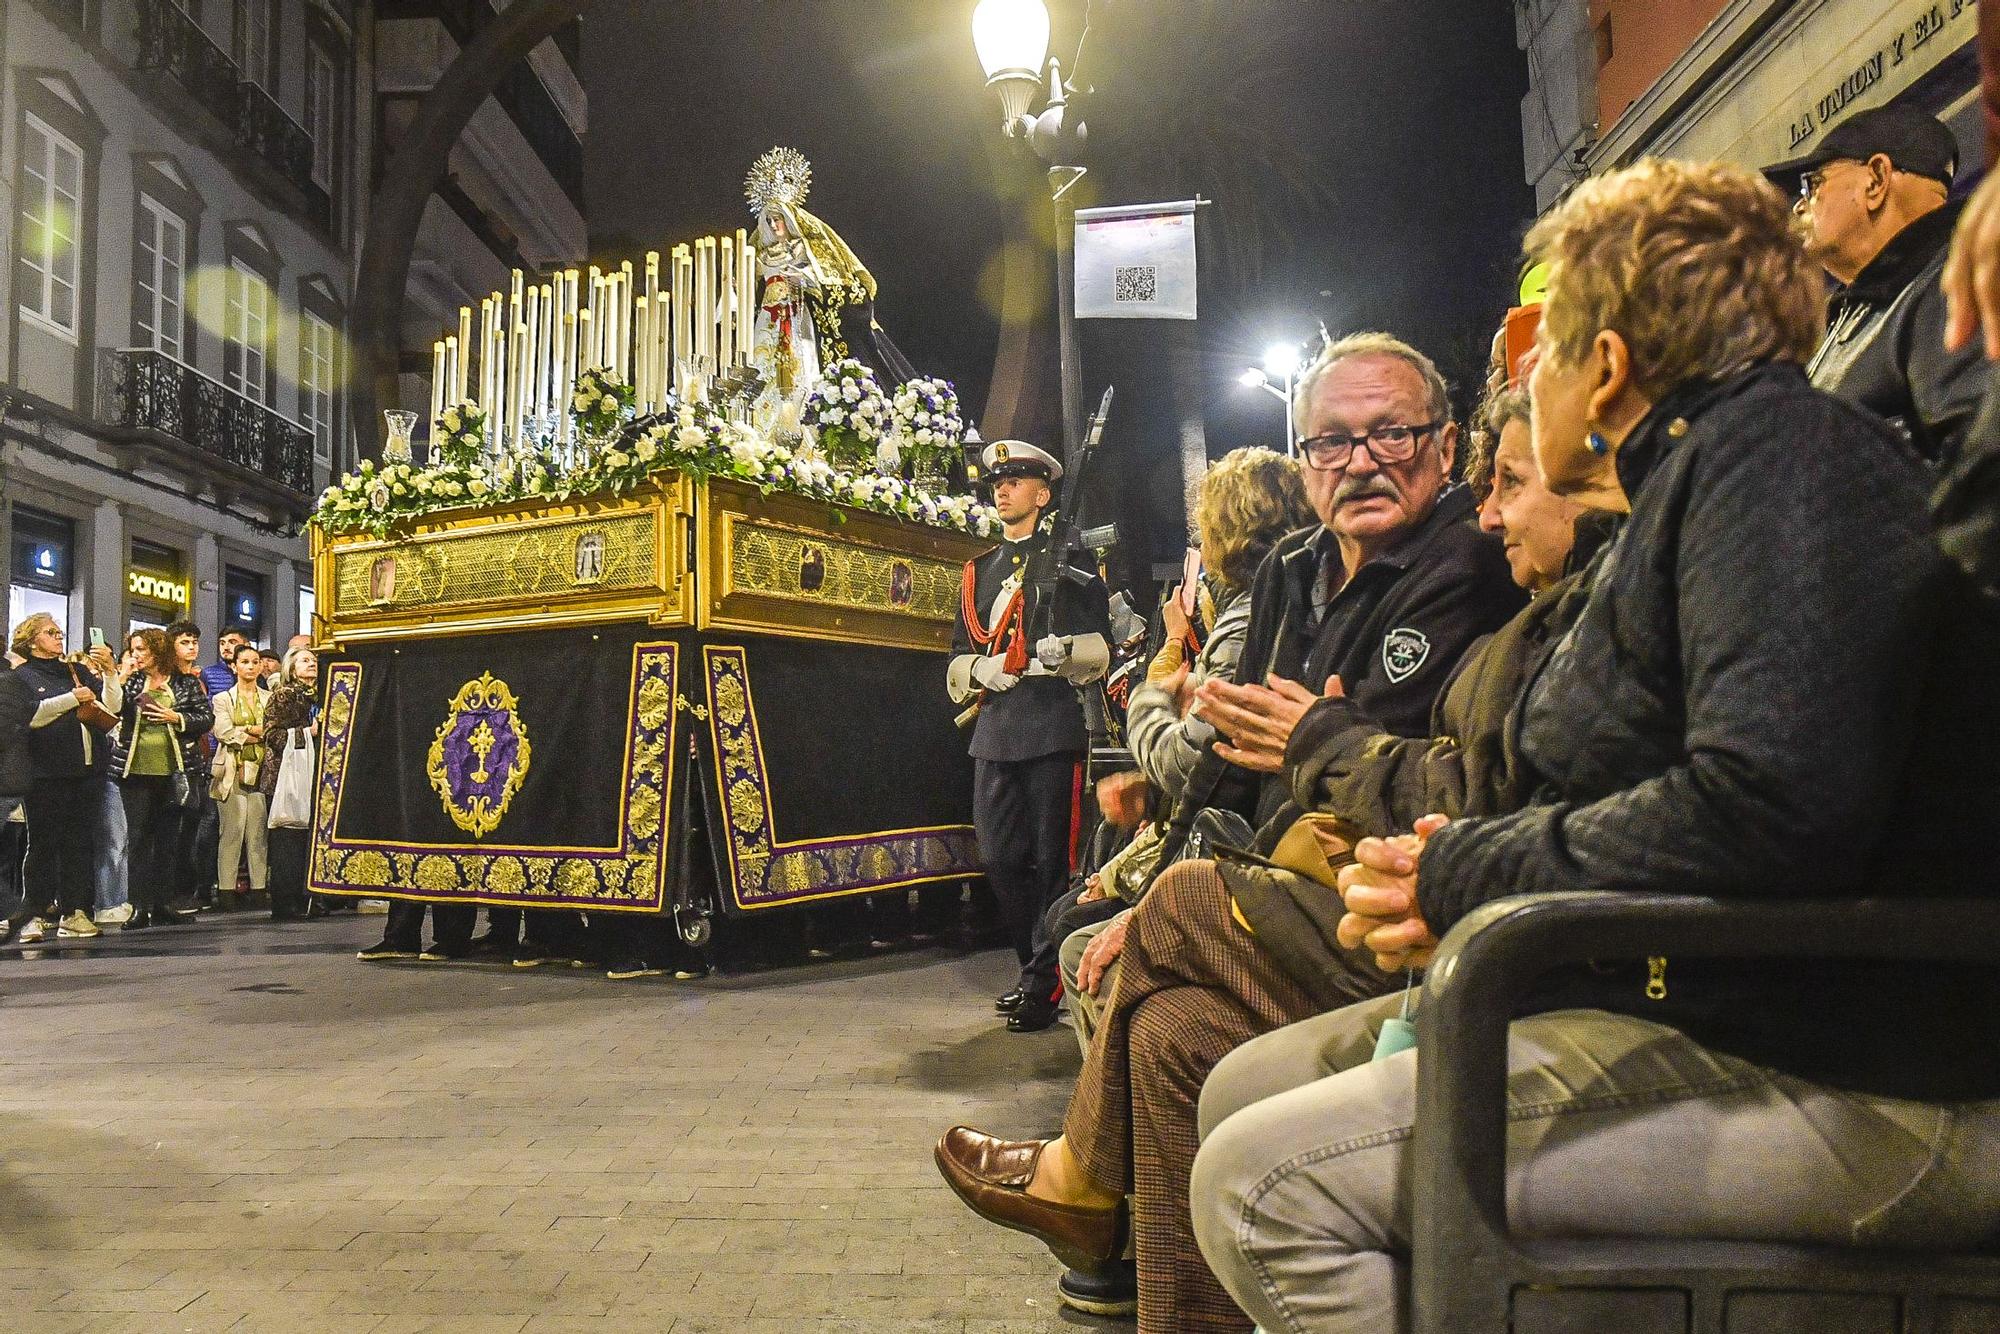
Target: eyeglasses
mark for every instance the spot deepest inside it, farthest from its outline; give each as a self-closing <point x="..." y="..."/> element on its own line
<point x="1386" y="444"/>
<point x="1811" y="181"/>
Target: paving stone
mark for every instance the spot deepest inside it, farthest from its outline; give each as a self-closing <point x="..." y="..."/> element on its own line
<point x="312" y="1144"/>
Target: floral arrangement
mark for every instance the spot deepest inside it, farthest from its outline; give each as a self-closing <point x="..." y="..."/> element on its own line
<point x="849" y="412"/>
<point x="374" y="498"/>
<point x="694" y="441"/>
<point x="926" y="411"/>
<point x="464" y="433"/>
<point x="600" y="402"/>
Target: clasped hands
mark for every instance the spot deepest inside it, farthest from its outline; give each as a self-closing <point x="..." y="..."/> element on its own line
<point x="1379" y="891"/>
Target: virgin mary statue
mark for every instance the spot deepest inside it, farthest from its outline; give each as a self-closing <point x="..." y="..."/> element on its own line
<point x="816" y="300"/>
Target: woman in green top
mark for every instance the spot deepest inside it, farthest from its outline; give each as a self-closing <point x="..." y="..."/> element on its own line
<point x="165" y="711"/>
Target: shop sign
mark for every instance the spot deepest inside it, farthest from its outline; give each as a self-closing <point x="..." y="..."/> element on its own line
<point x="1929" y="25"/>
<point x="156" y="588"/>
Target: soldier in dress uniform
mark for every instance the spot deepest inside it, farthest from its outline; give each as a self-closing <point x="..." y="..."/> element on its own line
<point x="1019" y="653"/>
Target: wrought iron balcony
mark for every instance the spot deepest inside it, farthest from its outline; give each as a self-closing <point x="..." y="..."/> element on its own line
<point x="266" y="129"/>
<point x="150" y="391"/>
<point x="170" y="40"/>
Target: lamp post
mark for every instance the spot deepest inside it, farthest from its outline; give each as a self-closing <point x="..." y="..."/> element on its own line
<point x="1277" y="377"/>
<point x="1012" y="39"/>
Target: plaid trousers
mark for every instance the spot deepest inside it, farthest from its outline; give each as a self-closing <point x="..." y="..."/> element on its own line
<point x="1192" y="986"/>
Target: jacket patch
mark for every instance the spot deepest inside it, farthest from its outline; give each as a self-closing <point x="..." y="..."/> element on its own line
<point x="1403" y="651"/>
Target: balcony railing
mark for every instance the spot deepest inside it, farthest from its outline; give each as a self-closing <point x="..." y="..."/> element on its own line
<point x="266" y="129"/>
<point x="170" y="40"/>
<point x="149" y="390"/>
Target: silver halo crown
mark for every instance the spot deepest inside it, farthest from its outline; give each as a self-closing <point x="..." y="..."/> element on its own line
<point x="781" y="176"/>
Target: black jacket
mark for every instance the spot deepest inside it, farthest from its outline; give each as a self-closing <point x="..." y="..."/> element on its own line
<point x="17" y="706"/>
<point x="1393" y="633"/>
<point x="58" y="749"/>
<point x="197" y="716"/>
<point x="1039" y="715"/>
<point x="1775" y="689"/>
<point x="1884" y="344"/>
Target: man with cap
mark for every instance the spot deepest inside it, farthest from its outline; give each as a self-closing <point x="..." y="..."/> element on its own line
<point x="1873" y="197"/>
<point x="1023" y="644"/>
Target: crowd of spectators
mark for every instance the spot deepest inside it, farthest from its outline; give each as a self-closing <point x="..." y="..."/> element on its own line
<point x="137" y="785"/>
<point x="1699" y="606"/>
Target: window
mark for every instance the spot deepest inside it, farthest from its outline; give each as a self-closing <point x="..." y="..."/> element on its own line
<point x="243" y="603"/>
<point x="51" y="199"/>
<point x="246" y="332"/>
<point x="322" y="124"/>
<point x="316" y="372"/>
<point x="43" y="566"/>
<point x="160" y="287"/>
<point x="253" y="43"/>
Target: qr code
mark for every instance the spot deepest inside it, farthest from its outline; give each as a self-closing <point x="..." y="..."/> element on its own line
<point x="1136" y="282"/>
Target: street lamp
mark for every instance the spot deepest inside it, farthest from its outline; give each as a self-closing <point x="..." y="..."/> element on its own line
<point x="1012" y="39"/>
<point x="1281" y="364"/>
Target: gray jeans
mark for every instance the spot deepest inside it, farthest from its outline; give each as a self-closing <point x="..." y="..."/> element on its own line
<point x="1617" y="1126"/>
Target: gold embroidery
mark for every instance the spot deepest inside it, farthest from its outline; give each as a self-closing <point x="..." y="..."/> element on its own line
<point x="478" y="813"/>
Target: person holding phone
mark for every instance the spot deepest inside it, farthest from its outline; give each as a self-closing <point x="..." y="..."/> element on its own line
<point x="156" y="761"/>
<point x="67" y="745"/>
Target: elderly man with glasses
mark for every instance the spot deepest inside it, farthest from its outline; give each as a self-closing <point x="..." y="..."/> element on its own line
<point x="1875" y="208"/>
<point x="1385" y="593"/>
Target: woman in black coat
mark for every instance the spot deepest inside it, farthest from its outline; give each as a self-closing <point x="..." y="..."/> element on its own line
<point x="159" y="772"/>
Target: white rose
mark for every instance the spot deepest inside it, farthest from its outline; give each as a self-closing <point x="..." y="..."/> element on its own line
<point x="925" y="435"/>
<point x="851" y="392"/>
<point x="617" y="458"/>
<point x="477" y="487"/>
<point x="646" y="449"/>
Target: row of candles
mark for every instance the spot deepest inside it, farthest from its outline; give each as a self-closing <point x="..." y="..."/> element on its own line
<point x="663" y="329"/>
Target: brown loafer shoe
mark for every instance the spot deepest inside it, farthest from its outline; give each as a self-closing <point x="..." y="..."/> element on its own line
<point x="992" y="1175"/>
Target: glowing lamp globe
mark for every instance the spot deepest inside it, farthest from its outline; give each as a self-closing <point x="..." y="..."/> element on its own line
<point x="1281" y="359"/>
<point x="1012" y="39"/>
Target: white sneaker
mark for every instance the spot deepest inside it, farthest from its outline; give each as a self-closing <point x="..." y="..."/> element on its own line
<point x="32" y="930"/>
<point x="77" y="926"/>
<point x="115" y="916"/>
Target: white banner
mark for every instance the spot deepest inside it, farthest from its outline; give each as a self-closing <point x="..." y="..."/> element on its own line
<point x="1136" y="262"/>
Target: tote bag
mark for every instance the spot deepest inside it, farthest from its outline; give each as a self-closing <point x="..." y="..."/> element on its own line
<point x="291" y="801"/>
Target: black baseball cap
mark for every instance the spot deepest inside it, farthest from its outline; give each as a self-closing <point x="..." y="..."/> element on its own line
<point x="1914" y="142"/>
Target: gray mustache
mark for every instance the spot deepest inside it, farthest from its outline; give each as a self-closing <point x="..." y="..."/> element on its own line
<point x="1373" y="486"/>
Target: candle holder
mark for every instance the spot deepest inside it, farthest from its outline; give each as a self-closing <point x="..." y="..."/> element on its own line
<point x="401" y="425"/>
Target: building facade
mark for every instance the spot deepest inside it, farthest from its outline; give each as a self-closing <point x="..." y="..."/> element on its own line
<point x="186" y="182"/>
<point x="1750" y="81"/>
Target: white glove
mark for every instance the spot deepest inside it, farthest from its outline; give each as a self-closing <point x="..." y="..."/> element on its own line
<point x="1052" y="651"/>
<point x="991" y="673"/>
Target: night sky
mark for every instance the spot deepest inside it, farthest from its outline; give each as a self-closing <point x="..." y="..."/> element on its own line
<point x="1365" y="155"/>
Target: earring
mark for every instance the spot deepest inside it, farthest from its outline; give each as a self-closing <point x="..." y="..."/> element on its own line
<point x="1598" y="444"/>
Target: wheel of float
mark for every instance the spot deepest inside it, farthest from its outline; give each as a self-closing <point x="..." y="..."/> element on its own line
<point x="695" y="928"/>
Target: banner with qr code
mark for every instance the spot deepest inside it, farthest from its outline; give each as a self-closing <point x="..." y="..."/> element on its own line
<point x="1136" y="262"/>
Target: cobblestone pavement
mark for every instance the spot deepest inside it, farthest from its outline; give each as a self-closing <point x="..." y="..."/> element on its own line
<point x="237" y="1126"/>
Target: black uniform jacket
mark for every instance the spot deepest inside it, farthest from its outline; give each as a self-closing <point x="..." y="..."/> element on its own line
<point x="1039" y="715"/>
<point x="1777" y="688"/>
<point x="1884" y="344"/>
<point x="1393" y="634"/>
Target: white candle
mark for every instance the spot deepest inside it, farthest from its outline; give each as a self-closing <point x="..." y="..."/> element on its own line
<point x="437" y="389"/>
<point x="458" y="383"/>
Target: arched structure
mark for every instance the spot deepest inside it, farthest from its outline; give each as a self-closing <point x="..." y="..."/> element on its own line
<point x="415" y="171"/>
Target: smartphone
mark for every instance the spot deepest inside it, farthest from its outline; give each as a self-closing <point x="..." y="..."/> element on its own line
<point x="96" y="636"/>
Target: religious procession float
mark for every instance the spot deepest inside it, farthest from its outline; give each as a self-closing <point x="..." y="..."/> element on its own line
<point x="660" y="625"/>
